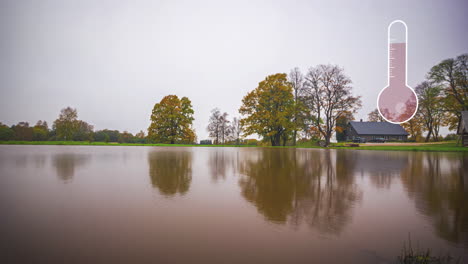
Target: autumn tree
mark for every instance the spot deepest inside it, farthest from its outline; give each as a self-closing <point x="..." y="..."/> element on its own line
<point x="83" y="131"/>
<point x="430" y="108"/>
<point x="41" y="131"/>
<point x="375" y="116"/>
<point x="125" y="137"/>
<point x="452" y="76"/>
<point x="68" y="127"/>
<point x="269" y="109"/>
<point x="330" y="96"/>
<point x="23" y="131"/>
<point x="414" y="127"/>
<point x="171" y="121"/>
<point x="140" y="137"/>
<point x="341" y="125"/>
<point x="66" y="123"/>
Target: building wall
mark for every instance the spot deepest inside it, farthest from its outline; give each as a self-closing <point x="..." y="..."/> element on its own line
<point x="351" y="134"/>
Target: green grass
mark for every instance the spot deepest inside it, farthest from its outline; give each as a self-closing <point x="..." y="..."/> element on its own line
<point x="442" y="147"/>
<point x="410" y="255"/>
<point x="87" y="143"/>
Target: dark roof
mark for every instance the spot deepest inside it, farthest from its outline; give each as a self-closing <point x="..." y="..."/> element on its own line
<point x="464" y="121"/>
<point x="378" y="128"/>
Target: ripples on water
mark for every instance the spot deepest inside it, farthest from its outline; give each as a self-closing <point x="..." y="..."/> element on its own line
<point x="250" y="205"/>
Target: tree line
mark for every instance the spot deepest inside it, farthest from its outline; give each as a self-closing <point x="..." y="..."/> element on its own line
<point x="282" y="109"/>
<point x="67" y="127"/>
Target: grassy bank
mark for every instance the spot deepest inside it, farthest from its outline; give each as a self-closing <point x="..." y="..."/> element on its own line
<point x="442" y="147"/>
<point x="87" y="143"/>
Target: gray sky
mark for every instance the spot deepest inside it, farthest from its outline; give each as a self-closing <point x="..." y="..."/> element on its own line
<point x="113" y="60"/>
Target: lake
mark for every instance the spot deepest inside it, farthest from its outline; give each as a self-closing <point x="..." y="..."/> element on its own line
<point x="115" y="204"/>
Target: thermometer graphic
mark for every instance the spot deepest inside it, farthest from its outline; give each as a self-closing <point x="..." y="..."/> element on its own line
<point x="397" y="103"/>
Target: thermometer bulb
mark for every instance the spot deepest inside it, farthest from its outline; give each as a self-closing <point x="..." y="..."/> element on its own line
<point x="397" y="103"/>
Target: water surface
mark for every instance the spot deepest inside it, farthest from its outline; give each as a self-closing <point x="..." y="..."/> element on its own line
<point x="102" y="204"/>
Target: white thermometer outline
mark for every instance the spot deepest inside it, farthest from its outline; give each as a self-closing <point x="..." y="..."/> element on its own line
<point x="406" y="71"/>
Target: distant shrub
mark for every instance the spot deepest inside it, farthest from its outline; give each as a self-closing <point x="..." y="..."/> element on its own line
<point x="251" y="142"/>
<point x="308" y="142"/>
<point x="206" y="142"/>
<point x="451" y="136"/>
<point x="6" y="133"/>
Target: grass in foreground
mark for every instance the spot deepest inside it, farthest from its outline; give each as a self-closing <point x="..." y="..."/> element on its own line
<point x="412" y="256"/>
<point x="442" y="147"/>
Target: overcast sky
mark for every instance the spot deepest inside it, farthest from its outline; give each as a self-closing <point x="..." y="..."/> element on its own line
<point x="113" y="60"/>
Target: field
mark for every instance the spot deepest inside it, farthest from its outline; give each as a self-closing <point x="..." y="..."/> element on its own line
<point x="427" y="147"/>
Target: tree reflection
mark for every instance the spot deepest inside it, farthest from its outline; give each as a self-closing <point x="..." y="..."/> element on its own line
<point x="382" y="167"/>
<point x="292" y="186"/>
<point x="222" y="162"/>
<point x="66" y="163"/>
<point x="170" y="171"/>
<point x="438" y="184"/>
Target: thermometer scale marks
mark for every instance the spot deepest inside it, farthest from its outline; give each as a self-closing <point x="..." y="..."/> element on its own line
<point x="397" y="103"/>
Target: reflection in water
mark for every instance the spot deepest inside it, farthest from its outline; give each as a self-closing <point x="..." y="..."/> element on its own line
<point x="439" y="185"/>
<point x="171" y="170"/>
<point x="320" y="202"/>
<point x="66" y="163"/>
<point x="221" y="162"/>
<point x="39" y="160"/>
<point x="382" y="167"/>
<point x="288" y="185"/>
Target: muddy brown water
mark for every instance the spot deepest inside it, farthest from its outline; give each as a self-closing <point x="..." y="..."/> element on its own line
<point x="111" y="204"/>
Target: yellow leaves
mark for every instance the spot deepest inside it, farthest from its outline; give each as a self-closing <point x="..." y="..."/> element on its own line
<point x="171" y="120"/>
<point x="340" y="129"/>
<point x="269" y="109"/>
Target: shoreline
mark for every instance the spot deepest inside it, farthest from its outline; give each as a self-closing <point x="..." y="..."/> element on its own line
<point x="415" y="147"/>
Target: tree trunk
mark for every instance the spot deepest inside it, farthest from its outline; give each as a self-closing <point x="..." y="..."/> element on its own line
<point x="172" y="141"/>
<point x="294" y="137"/>
<point x="428" y="135"/>
<point x="276" y="140"/>
<point x="327" y="140"/>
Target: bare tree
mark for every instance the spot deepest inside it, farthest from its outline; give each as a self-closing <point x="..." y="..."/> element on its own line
<point x="224" y="127"/>
<point x="214" y="125"/>
<point x="219" y="126"/>
<point x="329" y="91"/>
<point x="236" y="130"/>
<point x="296" y="78"/>
<point x="375" y="116"/>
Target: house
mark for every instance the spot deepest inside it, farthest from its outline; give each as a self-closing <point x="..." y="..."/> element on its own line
<point x="373" y="130"/>
<point x="463" y="128"/>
